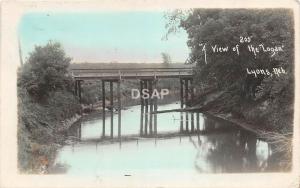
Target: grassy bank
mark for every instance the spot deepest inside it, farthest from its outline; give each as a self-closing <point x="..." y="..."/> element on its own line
<point x="46" y="106"/>
<point x="263" y="114"/>
<point x="41" y="128"/>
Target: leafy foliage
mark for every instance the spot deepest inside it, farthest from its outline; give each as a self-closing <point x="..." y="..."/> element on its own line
<point x="224" y="27"/>
<point x="91" y="92"/>
<point x="46" y="70"/>
<point x="45" y="99"/>
<point x="262" y="99"/>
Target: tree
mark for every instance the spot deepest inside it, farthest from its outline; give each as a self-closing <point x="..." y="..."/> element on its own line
<point x="224" y="27"/>
<point x="264" y="100"/>
<point x="45" y="71"/>
<point x="166" y="58"/>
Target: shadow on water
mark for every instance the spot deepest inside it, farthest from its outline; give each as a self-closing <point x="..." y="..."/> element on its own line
<point x="189" y="140"/>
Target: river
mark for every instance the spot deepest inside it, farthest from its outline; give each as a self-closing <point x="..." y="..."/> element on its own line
<point x="220" y="147"/>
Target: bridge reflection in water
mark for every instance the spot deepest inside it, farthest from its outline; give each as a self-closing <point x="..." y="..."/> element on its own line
<point x="226" y="147"/>
<point x="209" y="126"/>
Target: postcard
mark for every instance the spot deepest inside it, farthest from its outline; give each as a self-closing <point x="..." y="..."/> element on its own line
<point x="150" y="94"/>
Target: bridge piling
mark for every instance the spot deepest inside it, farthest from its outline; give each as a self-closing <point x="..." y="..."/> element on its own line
<point x="111" y="110"/>
<point x="155" y="110"/>
<point x="151" y="107"/>
<point x="119" y="108"/>
<point x="103" y="108"/>
<point x="79" y="90"/>
<point x="142" y="108"/>
<point x="75" y="88"/>
<point x="186" y="83"/>
<point x="181" y="104"/>
<point x="192" y="99"/>
<point x="192" y="89"/>
<point x="146" y="110"/>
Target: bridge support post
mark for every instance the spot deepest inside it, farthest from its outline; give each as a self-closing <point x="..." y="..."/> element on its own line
<point x="192" y="89"/>
<point x="146" y="110"/>
<point x="181" y="104"/>
<point x="151" y="108"/>
<point x="186" y="83"/>
<point x="79" y="86"/>
<point x="111" y="109"/>
<point x="142" y="108"/>
<point x="192" y="99"/>
<point x="75" y="88"/>
<point x="103" y="108"/>
<point x="119" y="108"/>
<point x="155" y="110"/>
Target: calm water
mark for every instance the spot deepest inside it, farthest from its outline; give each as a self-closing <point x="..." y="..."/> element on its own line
<point x="218" y="148"/>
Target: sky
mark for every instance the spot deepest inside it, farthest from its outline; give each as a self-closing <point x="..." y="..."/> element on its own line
<point x="104" y="36"/>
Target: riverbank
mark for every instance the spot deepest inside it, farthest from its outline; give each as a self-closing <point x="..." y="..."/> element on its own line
<point x="42" y="127"/>
<point x="40" y="156"/>
<point x="270" y="119"/>
<point x="261" y="114"/>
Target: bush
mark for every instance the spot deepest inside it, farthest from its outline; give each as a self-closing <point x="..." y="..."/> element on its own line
<point x="45" y="71"/>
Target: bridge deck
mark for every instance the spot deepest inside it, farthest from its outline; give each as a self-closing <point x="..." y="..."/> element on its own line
<point x="138" y="73"/>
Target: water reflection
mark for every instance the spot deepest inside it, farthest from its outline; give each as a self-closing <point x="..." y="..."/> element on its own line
<point x="228" y="152"/>
<point x="203" y="145"/>
<point x="194" y="154"/>
<point x="169" y="124"/>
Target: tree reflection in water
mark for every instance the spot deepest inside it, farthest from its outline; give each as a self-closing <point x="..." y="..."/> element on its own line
<point x="240" y="151"/>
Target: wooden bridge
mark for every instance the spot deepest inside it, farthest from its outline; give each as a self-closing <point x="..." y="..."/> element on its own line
<point x="119" y="71"/>
<point x="148" y="74"/>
